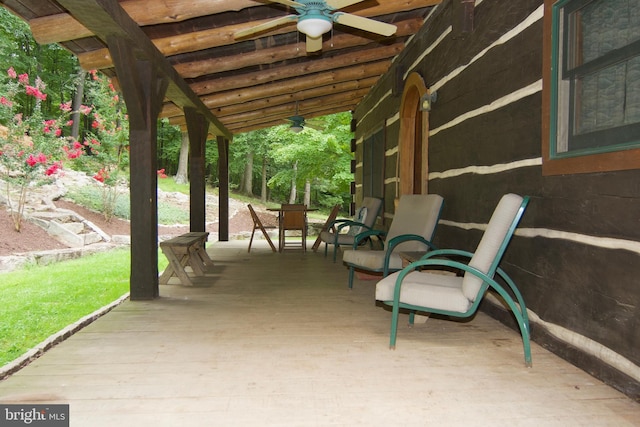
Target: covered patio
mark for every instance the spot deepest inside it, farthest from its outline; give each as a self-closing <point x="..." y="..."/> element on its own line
<point x="278" y="339"/>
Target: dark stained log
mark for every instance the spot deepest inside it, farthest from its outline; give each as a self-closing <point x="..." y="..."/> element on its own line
<point x="143" y="91"/>
<point x="197" y="127"/>
<point x="223" y="189"/>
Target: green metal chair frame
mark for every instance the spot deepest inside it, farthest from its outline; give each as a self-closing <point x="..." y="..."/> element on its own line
<point x="519" y="309"/>
<point x="390" y="247"/>
<point x="337" y="225"/>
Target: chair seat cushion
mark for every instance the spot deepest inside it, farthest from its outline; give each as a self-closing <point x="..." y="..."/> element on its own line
<point x="343" y="239"/>
<point x="438" y="291"/>
<point x="371" y="260"/>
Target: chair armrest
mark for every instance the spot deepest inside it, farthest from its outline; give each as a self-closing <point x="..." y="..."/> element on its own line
<point x="488" y="282"/>
<point x="348" y="223"/>
<point x="337" y="221"/>
<point x="367" y="234"/>
<point x="447" y="252"/>
<point x="401" y="239"/>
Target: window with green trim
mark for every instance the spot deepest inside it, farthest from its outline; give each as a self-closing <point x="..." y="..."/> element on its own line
<point x="595" y="77"/>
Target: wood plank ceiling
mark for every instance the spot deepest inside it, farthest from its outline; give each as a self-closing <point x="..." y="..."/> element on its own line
<point x="249" y="83"/>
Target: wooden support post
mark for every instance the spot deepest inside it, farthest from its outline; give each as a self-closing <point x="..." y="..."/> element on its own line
<point x="223" y="184"/>
<point x="197" y="126"/>
<point x="143" y="89"/>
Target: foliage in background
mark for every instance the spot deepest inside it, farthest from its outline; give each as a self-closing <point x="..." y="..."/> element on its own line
<point x="51" y="63"/>
<point x="169" y="142"/>
<point x="321" y="157"/>
<point x="92" y="199"/>
<point x="106" y="141"/>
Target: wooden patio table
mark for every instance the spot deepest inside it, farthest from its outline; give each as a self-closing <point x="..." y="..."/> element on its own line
<point x="186" y="250"/>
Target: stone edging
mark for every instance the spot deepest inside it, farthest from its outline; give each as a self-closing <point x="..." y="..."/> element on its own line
<point x="22" y="361"/>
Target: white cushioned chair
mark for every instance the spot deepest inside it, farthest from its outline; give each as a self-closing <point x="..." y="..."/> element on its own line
<point x="343" y="232"/>
<point x="459" y="296"/>
<point x="412" y="228"/>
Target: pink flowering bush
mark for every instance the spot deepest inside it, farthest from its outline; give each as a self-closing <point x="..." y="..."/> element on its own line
<point x="106" y="142"/>
<point x="33" y="148"/>
<point x="30" y="146"/>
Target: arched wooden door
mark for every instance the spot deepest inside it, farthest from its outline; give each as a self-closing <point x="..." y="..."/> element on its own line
<point x="413" y="142"/>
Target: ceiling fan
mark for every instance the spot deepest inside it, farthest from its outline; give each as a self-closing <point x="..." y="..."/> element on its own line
<point x="316" y="17"/>
<point x="298" y="123"/>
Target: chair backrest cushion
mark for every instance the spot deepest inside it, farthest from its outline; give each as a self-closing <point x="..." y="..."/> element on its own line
<point x="373" y="205"/>
<point x="361" y="217"/>
<point x="489" y="248"/>
<point x="416" y="214"/>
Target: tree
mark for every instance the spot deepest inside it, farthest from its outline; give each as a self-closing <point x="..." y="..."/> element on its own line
<point x="182" y="175"/>
<point x="248" y="148"/>
<point x="322" y="160"/>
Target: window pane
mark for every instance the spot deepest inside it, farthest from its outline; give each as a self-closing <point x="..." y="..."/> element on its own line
<point x="600" y="100"/>
<point x="603" y="26"/>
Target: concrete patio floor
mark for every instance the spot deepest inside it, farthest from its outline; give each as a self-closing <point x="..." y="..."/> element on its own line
<point x="278" y="340"/>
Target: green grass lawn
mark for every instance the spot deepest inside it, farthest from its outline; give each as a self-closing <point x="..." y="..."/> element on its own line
<point x="39" y="301"/>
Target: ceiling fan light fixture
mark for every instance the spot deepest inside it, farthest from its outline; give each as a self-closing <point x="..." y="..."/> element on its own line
<point x="295" y="128"/>
<point x="314" y="27"/>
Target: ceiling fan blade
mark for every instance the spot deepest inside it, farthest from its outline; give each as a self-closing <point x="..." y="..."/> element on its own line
<point x="314" y="44"/>
<point x="339" y="4"/>
<point x="288" y="3"/>
<point x="365" y="24"/>
<point x="265" y="26"/>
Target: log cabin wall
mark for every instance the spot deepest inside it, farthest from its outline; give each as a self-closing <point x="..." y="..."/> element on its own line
<point x="575" y="255"/>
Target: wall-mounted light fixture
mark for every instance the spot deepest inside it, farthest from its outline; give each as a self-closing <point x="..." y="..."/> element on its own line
<point x="427" y="100"/>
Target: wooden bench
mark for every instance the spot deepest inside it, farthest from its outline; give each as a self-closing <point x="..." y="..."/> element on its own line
<point x="186" y="250"/>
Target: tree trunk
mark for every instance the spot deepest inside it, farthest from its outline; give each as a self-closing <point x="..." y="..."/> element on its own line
<point x="182" y="175"/>
<point x="263" y="190"/>
<point x="307" y="193"/>
<point x="293" y="194"/>
<point x="248" y="175"/>
<point x="77" y="101"/>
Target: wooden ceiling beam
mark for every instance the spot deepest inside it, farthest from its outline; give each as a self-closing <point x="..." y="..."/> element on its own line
<point x="337" y="102"/>
<point x="308" y="106"/>
<point x="265" y="56"/>
<point x="365" y="56"/>
<point x="63" y="27"/>
<point x="302" y="88"/>
<point x="360" y="75"/>
<point x="107" y="19"/>
<point x="310" y="92"/>
<point x="254" y="125"/>
<point x="100" y="59"/>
